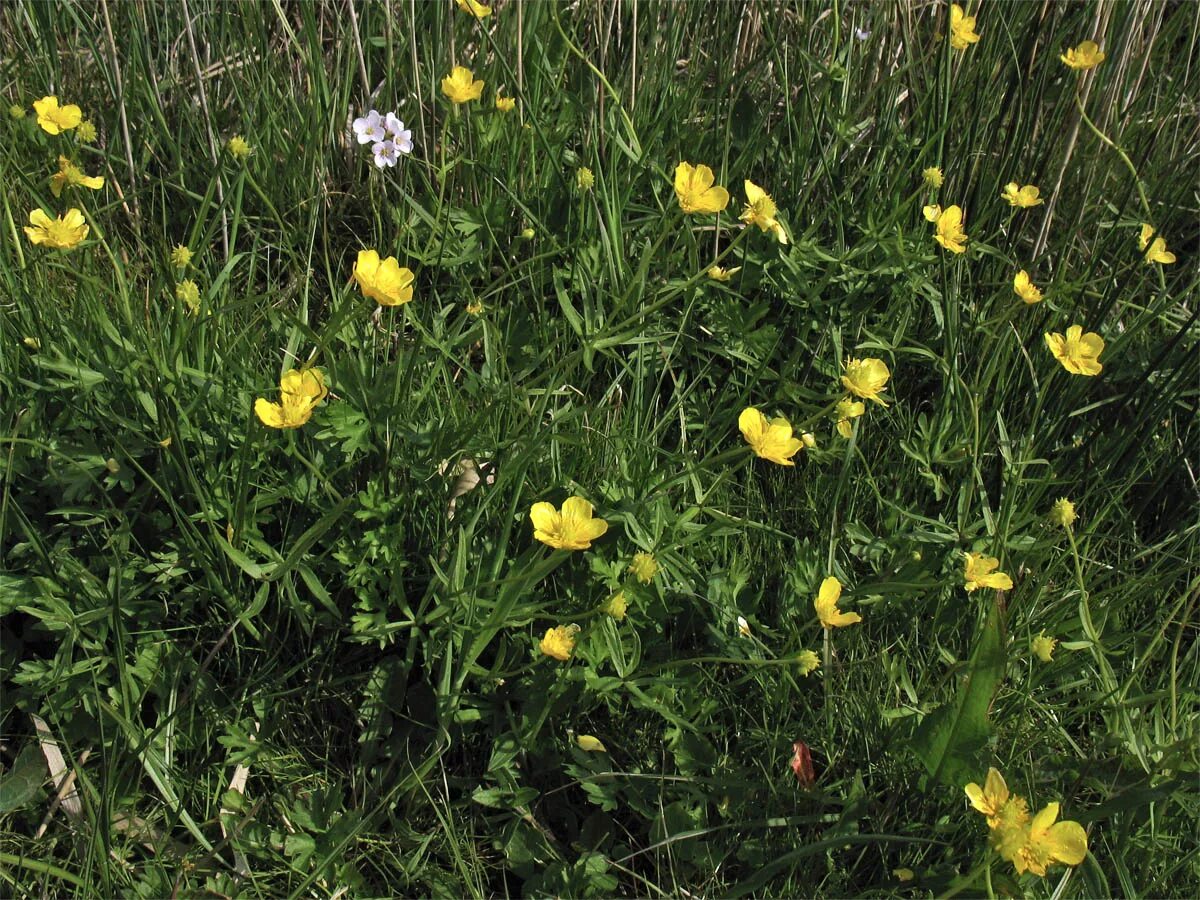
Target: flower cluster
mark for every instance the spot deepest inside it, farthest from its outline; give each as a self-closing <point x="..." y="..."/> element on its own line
<point x="68" y="230"/>
<point x="1030" y="844"/>
<point x="386" y="134"/>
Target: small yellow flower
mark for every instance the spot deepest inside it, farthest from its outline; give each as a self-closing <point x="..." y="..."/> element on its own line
<point x="933" y="177"/>
<point x="771" y="440"/>
<point x="238" y="148"/>
<point x="56" y="119"/>
<point x="475" y="308"/>
<point x="1043" y="647"/>
<point x="643" y="567"/>
<point x="1087" y="55"/>
<point x="475" y="8"/>
<point x="69" y="175"/>
<point x="189" y="294"/>
<point x="32" y="343"/>
<point x="948" y="227"/>
<point x="695" y="190"/>
<point x="826" y="605"/>
<point x="505" y="104"/>
<point x="528" y="234"/>
<point x="165" y="442"/>
<point x="962" y="28"/>
<point x="584" y="178"/>
<point x="1047" y="843"/>
<point x="717" y="273"/>
<point x="760" y="210"/>
<point x="573" y="528"/>
<point x="903" y="874"/>
<point x="846" y="410"/>
<point x="61" y="233"/>
<point x="866" y="378"/>
<point x="181" y="256"/>
<point x="300" y="391"/>
<point x="460" y="85"/>
<point x="1156" y="250"/>
<point x="383" y="280"/>
<point x="559" y="642"/>
<point x="1062" y="513"/>
<point x="1079" y="353"/>
<point x="616" y="606"/>
<point x="809" y="440"/>
<point x="990" y="798"/>
<point x="16" y="112"/>
<point x="589" y="744"/>
<point x="1026" y="289"/>
<point x="808" y="661"/>
<point x="87" y="131"/>
<point x="979" y="573"/>
<point x="1022" y="197"/>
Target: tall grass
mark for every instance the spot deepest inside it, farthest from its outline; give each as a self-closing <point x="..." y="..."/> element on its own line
<point x="341" y="612"/>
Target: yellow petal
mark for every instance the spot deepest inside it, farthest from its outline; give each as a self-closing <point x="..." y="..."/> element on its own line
<point x="545" y="517"/>
<point x="589" y="744"/>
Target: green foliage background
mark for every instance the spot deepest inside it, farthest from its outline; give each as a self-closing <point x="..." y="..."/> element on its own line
<point x="302" y="604"/>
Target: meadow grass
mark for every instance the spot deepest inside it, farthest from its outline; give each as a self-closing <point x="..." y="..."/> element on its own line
<point x="306" y="662"/>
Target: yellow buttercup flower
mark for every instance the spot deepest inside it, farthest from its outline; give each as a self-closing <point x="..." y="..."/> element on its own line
<point x="771" y="440"/>
<point x="189" y="294"/>
<point x="300" y="391"/>
<point x="584" y="178"/>
<point x="904" y="874"/>
<point x="69" y="174"/>
<point x="695" y="190"/>
<point x="474" y="8"/>
<point x="1087" y="55"/>
<point x="979" y="572"/>
<point x="16" y="111"/>
<point x="866" y="378"/>
<point x="991" y="797"/>
<point x="716" y="273"/>
<point x="1156" y="250"/>
<point x="181" y="256"/>
<point x="933" y="177"/>
<point x="1079" y="353"/>
<point x="56" y="119"/>
<point x="505" y="104"/>
<point x="1043" y="647"/>
<point x="948" y="227"/>
<point x="1047" y="843"/>
<point x="87" y="131"/>
<point x="460" y="85"/>
<point x="846" y="410"/>
<point x="559" y="642"/>
<point x="238" y="148"/>
<point x="962" y="28"/>
<point x="826" y="605"/>
<point x="809" y="440"/>
<point x="61" y="233"/>
<point x="1022" y="197"/>
<point x="760" y="210"/>
<point x="1062" y="513"/>
<point x="573" y="528"/>
<point x="475" y="308"/>
<point x="643" y="567"/>
<point x="1025" y="289"/>
<point x="589" y="744"/>
<point x="616" y="606"/>
<point x="383" y="280"/>
<point x="1007" y="814"/>
<point x="808" y="661"/>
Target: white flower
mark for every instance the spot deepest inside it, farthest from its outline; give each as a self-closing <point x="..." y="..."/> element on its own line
<point x="385" y="153"/>
<point x="369" y="128"/>
<point x="861" y="34"/>
<point x="743" y="626"/>
<point x="401" y="136"/>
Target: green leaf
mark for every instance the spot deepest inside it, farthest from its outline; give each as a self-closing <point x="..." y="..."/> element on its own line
<point x="948" y="740"/>
<point x="21" y="783"/>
